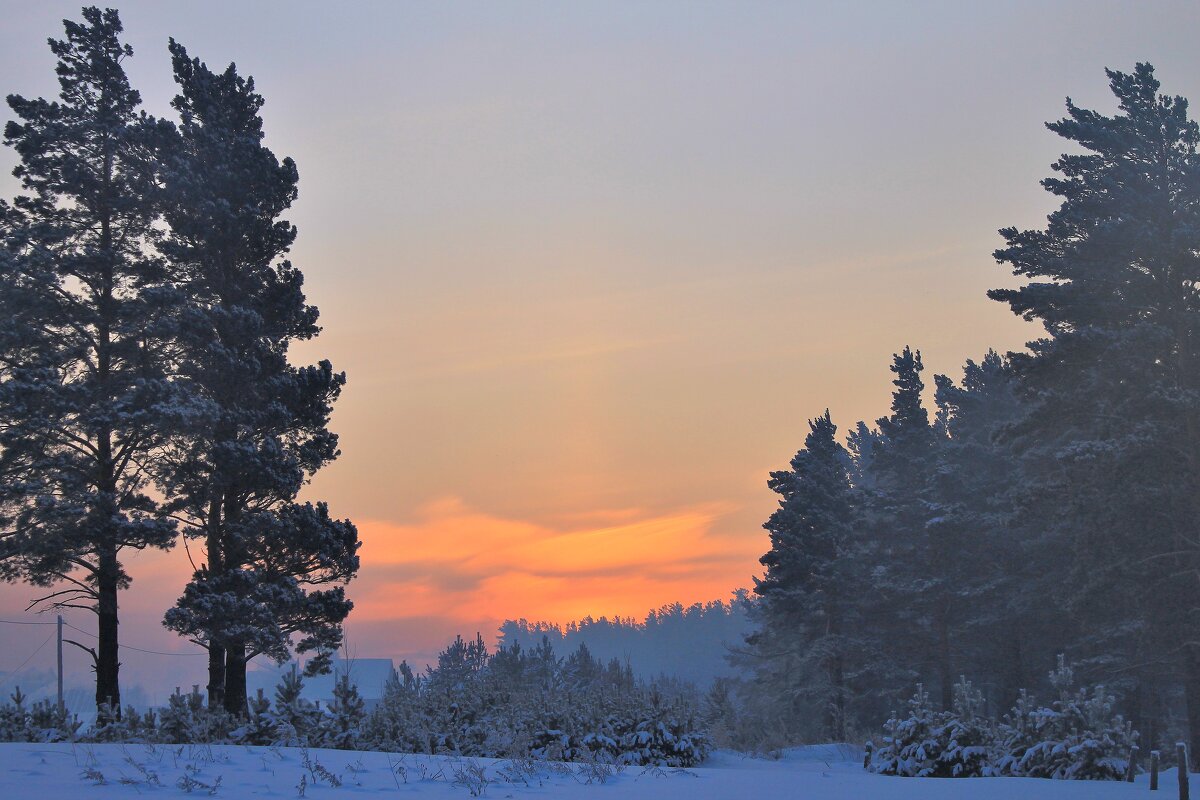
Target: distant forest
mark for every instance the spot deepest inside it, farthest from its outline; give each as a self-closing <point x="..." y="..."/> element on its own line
<point x="691" y="643"/>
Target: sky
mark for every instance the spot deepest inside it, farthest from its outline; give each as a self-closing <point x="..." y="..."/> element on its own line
<point x="591" y="267"/>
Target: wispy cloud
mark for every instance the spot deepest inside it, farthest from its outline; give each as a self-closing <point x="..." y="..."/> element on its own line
<point x="454" y="561"/>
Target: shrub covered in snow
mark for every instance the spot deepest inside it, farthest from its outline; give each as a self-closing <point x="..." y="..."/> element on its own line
<point x="513" y="703"/>
<point x="517" y="703"/>
<point x="39" y="722"/>
<point x="937" y="744"/>
<point x="1078" y="737"/>
<point x="341" y="727"/>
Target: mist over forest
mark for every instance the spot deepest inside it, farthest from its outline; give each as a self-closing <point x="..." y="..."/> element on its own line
<point x="690" y="643"/>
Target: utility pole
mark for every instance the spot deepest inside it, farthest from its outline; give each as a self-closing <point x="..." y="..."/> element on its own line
<point x="62" y="709"/>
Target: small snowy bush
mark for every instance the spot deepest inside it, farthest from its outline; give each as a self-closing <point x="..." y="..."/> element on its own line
<point x="912" y="745"/>
<point x="511" y="704"/>
<point x="295" y="719"/>
<point x="519" y="703"/>
<point x="1079" y="736"/>
<point x="341" y="727"/>
<point x="967" y="736"/>
<point x="259" y="726"/>
<point x="40" y="722"/>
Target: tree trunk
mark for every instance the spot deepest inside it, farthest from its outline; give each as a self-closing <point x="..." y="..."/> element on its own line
<point x="1013" y="678"/>
<point x="837" y="677"/>
<point x="1191" y="679"/>
<point x="216" y="652"/>
<point x="839" y="699"/>
<point x="108" y="686"/>
<point x="216" y="676"/>
<point x="235" y="680"/>
<point x="108" y="571"/>
<point x="945" y="669"/>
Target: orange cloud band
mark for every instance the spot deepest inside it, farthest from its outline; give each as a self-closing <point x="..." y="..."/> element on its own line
<point x="460" y="563"/>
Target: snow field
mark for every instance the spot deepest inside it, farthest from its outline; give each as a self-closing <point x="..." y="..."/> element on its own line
<point x="102" y="771"/>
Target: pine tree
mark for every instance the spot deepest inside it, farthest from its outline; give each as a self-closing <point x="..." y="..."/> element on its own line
<point x="235" y="474"/>
<point x="295" y="719"/>
<point x="910" y="746"/>
<point x="1111" y="442"/>
<point x="861" y="445"/>
<point x="84" y="401"/>
<point x="805" y="650"/>
<point x="1078" y="737"/>
<point x="979" y="588"/>
<point x="342" y="727"/>
<point x="908" y="615"/>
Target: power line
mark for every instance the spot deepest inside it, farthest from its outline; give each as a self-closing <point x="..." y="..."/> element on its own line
<point x="17" y="671"/>
<point x="89" y="633"/>
<point x="126" y="646"/>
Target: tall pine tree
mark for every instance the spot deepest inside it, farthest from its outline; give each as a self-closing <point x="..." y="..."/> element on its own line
<point x="905" y="556"/>
<point x="807" y="650"/>
<point x="83" y="398"/>
<point x="233" y="477"/>
<point x="984" y="571"/>
<point x="1113" y="428"/>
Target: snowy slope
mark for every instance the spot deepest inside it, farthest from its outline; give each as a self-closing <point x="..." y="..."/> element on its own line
<point x="66" y="772"/>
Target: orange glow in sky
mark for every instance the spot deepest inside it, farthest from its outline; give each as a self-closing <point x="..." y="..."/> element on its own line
<point x="464" y="563"/>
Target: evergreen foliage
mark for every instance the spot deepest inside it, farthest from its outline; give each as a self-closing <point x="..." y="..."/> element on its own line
<point x="342" y="727"/>
<point x="1109" y="439"/>
<point x="1051" y="501"/>
<point x="957" y="743"/>
<point x="1078" y="738"/>
<point x="518" y="702"/>
<point x="513" y="703"/>
<point x="807" y="644"/>
<point x="689" y="642"/>
<point x="235" y="472"/>
<point x="295" y="718"/>
<point x="84" y="398"/>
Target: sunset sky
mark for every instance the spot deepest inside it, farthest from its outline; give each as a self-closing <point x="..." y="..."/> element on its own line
<point x="590" y="267"/>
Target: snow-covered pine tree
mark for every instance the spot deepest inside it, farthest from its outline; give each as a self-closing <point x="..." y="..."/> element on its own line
<point x="924" y="743"/>
<point x="83" y="398"/>
<point x="260" y="725"/>
<point x="235" y="474"/>
<point x="909" y="746"/>
<point x="805" y="650"/>
<point x="397" y="722"/>
<point x="907" y="615"/>
<point x="967" y="736"/>
<point x="177" y="724"/>
<point x="342" y="726"/>
<point x="980" y="588"/>
<point x="295" y="718"/>
<point x="1079" y="737"/>
<point x="1111" y="441"/>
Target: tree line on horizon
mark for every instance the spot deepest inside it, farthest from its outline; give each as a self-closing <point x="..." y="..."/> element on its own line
<point x="1047" y="503"/>
<point x="146" y="313"/>
<point x="690" y="643"/>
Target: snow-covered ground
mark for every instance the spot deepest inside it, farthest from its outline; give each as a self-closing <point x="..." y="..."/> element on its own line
<point x="67" y="772"/>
